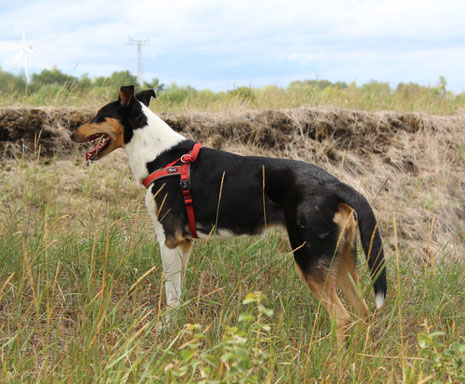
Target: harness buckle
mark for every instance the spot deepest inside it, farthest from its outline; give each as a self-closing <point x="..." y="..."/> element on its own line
<point x="185" y="184"/>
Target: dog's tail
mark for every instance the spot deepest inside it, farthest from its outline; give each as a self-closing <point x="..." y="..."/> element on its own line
<point x="370" y="238"/>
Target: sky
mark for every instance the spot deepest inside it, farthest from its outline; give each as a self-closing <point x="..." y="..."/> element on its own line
<point x="221" y="45"/>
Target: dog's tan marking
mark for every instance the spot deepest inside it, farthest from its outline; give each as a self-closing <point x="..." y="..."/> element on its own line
<point x="118" y="131"/>
<point x="347" y="277"/>
<point x="325" y="292"/>
<point x="125" y="95"/>
<point x="323" y="278"/>
<point x="179" y="241"/>
<point x="348" y="282"/>
<point x="186" y="245"/>
<point x="111" y="127"/>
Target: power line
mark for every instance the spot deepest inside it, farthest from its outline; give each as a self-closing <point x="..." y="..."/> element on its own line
<point x="139" y="44"/>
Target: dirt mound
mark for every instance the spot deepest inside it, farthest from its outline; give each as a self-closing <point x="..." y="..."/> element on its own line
<point x="24" y="130"/>
<point x="352" y="130"/>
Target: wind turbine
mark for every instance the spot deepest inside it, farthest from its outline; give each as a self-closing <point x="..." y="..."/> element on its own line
<point x="26" y="50"/>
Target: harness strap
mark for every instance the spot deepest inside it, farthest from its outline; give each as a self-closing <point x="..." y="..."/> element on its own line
<point x="183" y="170"/>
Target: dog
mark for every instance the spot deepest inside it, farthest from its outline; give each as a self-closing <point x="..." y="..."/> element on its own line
<point x="231" y="195"/>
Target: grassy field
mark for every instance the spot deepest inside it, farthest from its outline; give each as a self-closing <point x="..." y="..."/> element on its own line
<point x="371" y="96"/>
<point x="81" y="297"/>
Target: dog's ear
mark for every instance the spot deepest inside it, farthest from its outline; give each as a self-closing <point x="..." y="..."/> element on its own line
<point x="144" y="96"/>
<point x="126" y="93"/>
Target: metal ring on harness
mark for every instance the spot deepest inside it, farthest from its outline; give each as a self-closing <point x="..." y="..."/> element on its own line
<point x="182" y="158"/>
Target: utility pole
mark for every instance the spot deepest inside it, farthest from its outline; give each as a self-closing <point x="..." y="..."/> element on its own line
<point x="139" y="44"/>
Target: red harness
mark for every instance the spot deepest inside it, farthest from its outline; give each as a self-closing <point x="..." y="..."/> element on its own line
<point x="183" y="170"/>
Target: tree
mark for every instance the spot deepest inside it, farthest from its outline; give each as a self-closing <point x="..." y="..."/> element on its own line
<point x="155" y="85"/>
<point x="52" y="77"/>
<point x="117" y="79"/>
<point x="10" y="83"/>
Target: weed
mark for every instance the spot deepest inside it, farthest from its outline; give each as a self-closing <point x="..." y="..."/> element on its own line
<point x="447" y="361"/>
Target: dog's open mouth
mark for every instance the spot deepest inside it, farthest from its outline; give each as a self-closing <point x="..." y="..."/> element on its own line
<point x="101" y="140"/>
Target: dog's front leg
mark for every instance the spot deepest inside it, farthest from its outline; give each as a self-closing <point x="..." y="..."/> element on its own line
<point x="175" y="254"/>
<point x="174" y="266"/>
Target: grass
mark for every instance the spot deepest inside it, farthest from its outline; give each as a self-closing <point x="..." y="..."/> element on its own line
<point x="81" y="298"/>
<point x="371" y="96"/>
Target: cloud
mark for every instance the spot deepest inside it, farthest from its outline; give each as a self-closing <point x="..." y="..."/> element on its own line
<point x="211" y="42"/>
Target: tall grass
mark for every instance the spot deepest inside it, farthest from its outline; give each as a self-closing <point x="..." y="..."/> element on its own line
<point x="81" y="298"/>
<point x="181" y="99"/>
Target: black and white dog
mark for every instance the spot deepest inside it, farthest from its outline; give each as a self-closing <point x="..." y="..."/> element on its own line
<point x="319" y="212"/>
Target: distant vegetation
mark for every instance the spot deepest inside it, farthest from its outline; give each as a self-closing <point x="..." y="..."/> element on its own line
<point x="53" y="87"/>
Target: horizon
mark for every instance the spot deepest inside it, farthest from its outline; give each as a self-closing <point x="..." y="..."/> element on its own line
<point x="339" y="84"/>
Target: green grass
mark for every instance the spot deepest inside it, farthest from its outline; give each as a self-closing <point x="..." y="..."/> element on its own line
<point x="81" y="298"/>
<point x="371" y="96"/>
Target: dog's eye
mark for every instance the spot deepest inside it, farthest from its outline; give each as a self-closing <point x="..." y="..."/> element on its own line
<point x="98" y="119"/>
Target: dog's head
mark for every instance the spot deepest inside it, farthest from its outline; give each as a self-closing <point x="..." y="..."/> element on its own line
<point x="114" y="123"/>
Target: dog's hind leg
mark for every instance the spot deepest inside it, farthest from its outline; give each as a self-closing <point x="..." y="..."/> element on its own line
<point x="316" y="272"/>
<point x="325" y="292"/>
<point x="347" y="276"/>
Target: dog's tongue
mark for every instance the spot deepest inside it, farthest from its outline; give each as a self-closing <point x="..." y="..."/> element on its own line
<point x="90" y="155"/>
